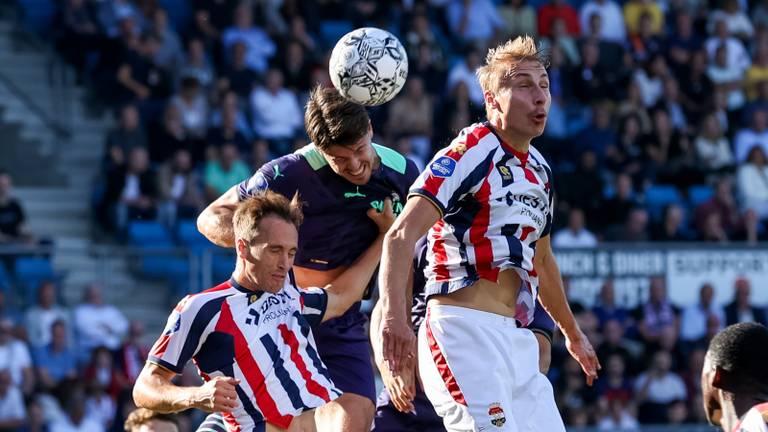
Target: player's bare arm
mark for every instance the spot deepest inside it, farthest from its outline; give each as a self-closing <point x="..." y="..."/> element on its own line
<point x="397" y="338"/>
<point x="552" y="297"/>
<point x="215" y="222"/>
<point x="400" y="384"/>
<point x="155" y="391"/>
<point x="350" y="285"/>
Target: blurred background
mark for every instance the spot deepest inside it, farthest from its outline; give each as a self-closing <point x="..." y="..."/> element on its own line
<point x="121" y="119"/>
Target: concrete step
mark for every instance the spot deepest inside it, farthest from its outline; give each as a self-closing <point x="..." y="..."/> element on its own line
<point x="45" y="193"/>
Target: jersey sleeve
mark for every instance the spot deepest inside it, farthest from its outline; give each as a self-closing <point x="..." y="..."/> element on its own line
<point x="275" y="175"/>
<point x="184" y="333"/>
<point x="542" y="323"/>
<point x="454" y="172"/>
<point x="314" y="302"/>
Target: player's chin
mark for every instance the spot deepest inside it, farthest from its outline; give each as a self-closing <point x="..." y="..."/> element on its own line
<point x="360" y="179"/>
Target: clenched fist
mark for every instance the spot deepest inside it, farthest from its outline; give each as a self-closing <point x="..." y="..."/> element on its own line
<point x="218" y="395"/>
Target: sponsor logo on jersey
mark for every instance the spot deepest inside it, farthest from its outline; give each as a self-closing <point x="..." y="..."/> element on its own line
<point x="497" y="415"/>
<point x="354" y="194"/>
<point x="460" y="148"/>
<point x="443" y="167"/>
<point x="175" y="327"/>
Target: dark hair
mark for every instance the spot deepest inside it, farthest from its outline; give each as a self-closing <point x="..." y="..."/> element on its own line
<point x="250" y="212"/>
<point x="141" y="416"/>
<point x="741" y="350"/>
<point x="330" y="119"/>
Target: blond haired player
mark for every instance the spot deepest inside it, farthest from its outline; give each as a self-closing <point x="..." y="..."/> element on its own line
<point x="487" y="203"/>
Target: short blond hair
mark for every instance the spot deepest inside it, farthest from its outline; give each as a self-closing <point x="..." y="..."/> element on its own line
<point x="250" y="212"/>
<point x="142" y="416"/>
<point x="502" y="61"/>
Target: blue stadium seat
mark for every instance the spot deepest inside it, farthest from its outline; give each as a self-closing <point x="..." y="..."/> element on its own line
<point x="29" y="272"/>
<point x="223" y="265"/>
<point x="5" y="279"/>
<point x="179" y="13"/>
<point x="699" y="194"/>
<point x="188" y="235"/>
<point x="332" y="31"/>
<point x="144" y="234"/>
<point x="659" y="196"/>
<point x="37" y="16"/>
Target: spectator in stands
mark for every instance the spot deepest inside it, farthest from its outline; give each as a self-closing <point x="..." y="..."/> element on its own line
<point x="180" y="189"/>
<point x="12" y="411"/>
<point x="7" y="311"/>
<point x="671" y="227"/>
<point x="299" y="32"/>
<point x="464" y="72"/>
<point x="712" y="146"/>
<point x="169" y="53"/>
<point x="144" y="420"/>
<point x="726" y="215"/>
<point x="606" y="309"/>
<point x="590" y="80"/>
<point x="12" y="215"/>
<point x="75" y="417"/>
<point x="583" y="188"/>
<point x="669" y="159"/>
<point x="197" y="65"/>
<point x="169" y="135"/>
<point x="40" y="317"/>
<point x="474" y="22"/>
<point x="56" y="361"/>
<point x="634" y="229"/>
<point x="616" y="209"/>
<point x="634" y="10"/>
<point x="657" y="314"/>
<point x="697" y="89"/>
<point x="670" y="101"/>
<point x="727" y="76"/>
<point x="98" y="404"/>
<point x="125" y="137"/>
<point x="78" y="34"/>
<point x="741" y="309"/>
<point x="141" y="80"/>
<point x="758" y="71"/>
<point x="618" y="417"/>
<point x="426" y="52"/>
<point x="646" y="42"/>
<point x="614" y="343"/>
<point x="238" y="75"/>
<point x="224" y="172"/>
<point x="600" y="134"/>
<point x="230" y="106"/>
<point x="650" y="79"/>
<point x="693" y="322"/>
<point x="133" y="353"/>
<point x="736" y="21"/>
<point x="559" y="37"/>
<point x="101" y="371"/>
<point x="111" y="14"/>
<point x="755" y="135"/>
<point x="612" y="22"/>
<point x="557" y="9"/>
<point x="411" y="115"/>
<point x="657" y="388"/>
<point x="259" y="48"/>
<point x="16" y="360"/>
<point x="97" y="323"/>
<point x="752" y="182"/>
<point x="519" y="18"/>
<point x="575" y="235"/>
<point x="736" y="55"/>
<point x="633" y="106"/>
<point x="682" y="43"/>
<point x="616" y="384"/>
<point x="277" y="117"/>
<point x="192" y="105"/>
<point x="132" y="191"/>
<point x="296" y="67"/>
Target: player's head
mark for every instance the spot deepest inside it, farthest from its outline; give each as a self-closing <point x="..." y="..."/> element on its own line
<point x="734" y="366"/>
<point x="516" y="88"/>
<point x="266" y="239"/>
<point x="144" y="420"/>
<point x="341" y="130"/>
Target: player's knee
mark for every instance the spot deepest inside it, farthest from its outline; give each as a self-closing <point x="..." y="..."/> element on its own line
<point x="349" y="413"/>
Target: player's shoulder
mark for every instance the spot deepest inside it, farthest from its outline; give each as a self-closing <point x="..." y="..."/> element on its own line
<point x="755" y="420"/>
<point x="537" y="157"/>
<point x="474" y="140"/>
<point x="195" y="302"/>
<point x="289" y="163"/>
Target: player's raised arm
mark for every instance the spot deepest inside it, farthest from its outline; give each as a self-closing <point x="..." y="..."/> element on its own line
<point x="155" y="391"/>
<point x="552" y="297"/>
<point x="349" y="286"/>
<point x="397" y="336"/>
<point x="215" y="222"/>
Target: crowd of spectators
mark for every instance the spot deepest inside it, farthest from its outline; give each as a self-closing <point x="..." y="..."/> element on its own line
<point x="647" y="96"/>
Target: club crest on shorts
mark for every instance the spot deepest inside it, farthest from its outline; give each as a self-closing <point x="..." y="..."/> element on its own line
<point x="442" y="167"/>
<point x="497" y="415"/>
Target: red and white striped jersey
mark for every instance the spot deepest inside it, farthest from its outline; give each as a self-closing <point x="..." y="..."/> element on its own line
<point x="495" y="203"/>
<point x="262" y="339"/>
<point x="755" y="420"/>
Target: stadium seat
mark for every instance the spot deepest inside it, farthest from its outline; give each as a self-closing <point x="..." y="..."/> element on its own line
<point x="144" y="234"/>
<point x="29" y="272"/>
<point x="699" y="194"/>
<point x="5" y="279"/>
<point x="659" y="196"/>
<point x="179" y="13"/>
<point x="332" y="31"/>
<point x="37" y="16"/>
<point x="188" y="235"/>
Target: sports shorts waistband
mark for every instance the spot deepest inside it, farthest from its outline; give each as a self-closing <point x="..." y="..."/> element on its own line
<point x="473" y="315"/>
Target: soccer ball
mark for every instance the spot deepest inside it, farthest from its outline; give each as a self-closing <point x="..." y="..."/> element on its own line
<point x="369" y="66"/>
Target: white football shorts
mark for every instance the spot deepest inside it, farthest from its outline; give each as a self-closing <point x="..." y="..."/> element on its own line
<point x="481" y="373"/>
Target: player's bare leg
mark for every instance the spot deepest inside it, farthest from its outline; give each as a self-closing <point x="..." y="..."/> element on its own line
<point x="349" y="413"/>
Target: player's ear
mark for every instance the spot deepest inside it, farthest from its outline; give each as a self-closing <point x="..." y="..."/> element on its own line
<point x="490" y="99"/>
<point x="241" y="247"/>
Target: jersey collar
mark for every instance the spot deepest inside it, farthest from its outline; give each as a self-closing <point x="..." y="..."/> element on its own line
<point x="243" y="289"/>
<point x="521" y="158"/>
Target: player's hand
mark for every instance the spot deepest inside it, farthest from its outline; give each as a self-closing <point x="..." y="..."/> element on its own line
<point x="399" y="343"/>
<point x="401" y="385"/>
<point x="218" y="395"/>
<point x="385" y="218"/>
<point x="581" y="350"/>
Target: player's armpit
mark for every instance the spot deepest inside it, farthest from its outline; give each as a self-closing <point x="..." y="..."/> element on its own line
<point x="215" y="222"/>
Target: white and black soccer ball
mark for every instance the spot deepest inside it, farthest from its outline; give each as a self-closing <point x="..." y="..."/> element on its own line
<point x="369" y="66"/>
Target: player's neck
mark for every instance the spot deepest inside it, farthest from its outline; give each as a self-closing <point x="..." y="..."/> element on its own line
<point x="735" y="409"/>
<point x="245" y="281"/>
<point x="517" y="143"/>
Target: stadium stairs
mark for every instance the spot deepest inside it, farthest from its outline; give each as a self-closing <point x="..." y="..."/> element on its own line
<point x="52" y="146"/>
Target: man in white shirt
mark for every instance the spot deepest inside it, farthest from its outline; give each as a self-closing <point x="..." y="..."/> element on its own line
<point x="612" y="19"/>
<point x="15" y="359"/>
<point x="757" y="134"/>
<point x="97" y="323"/>
<point x="12" y="411"/>
<point x="276" y="112"/>
<point x="575" y="235"/>
<point x="693" y="325"/>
